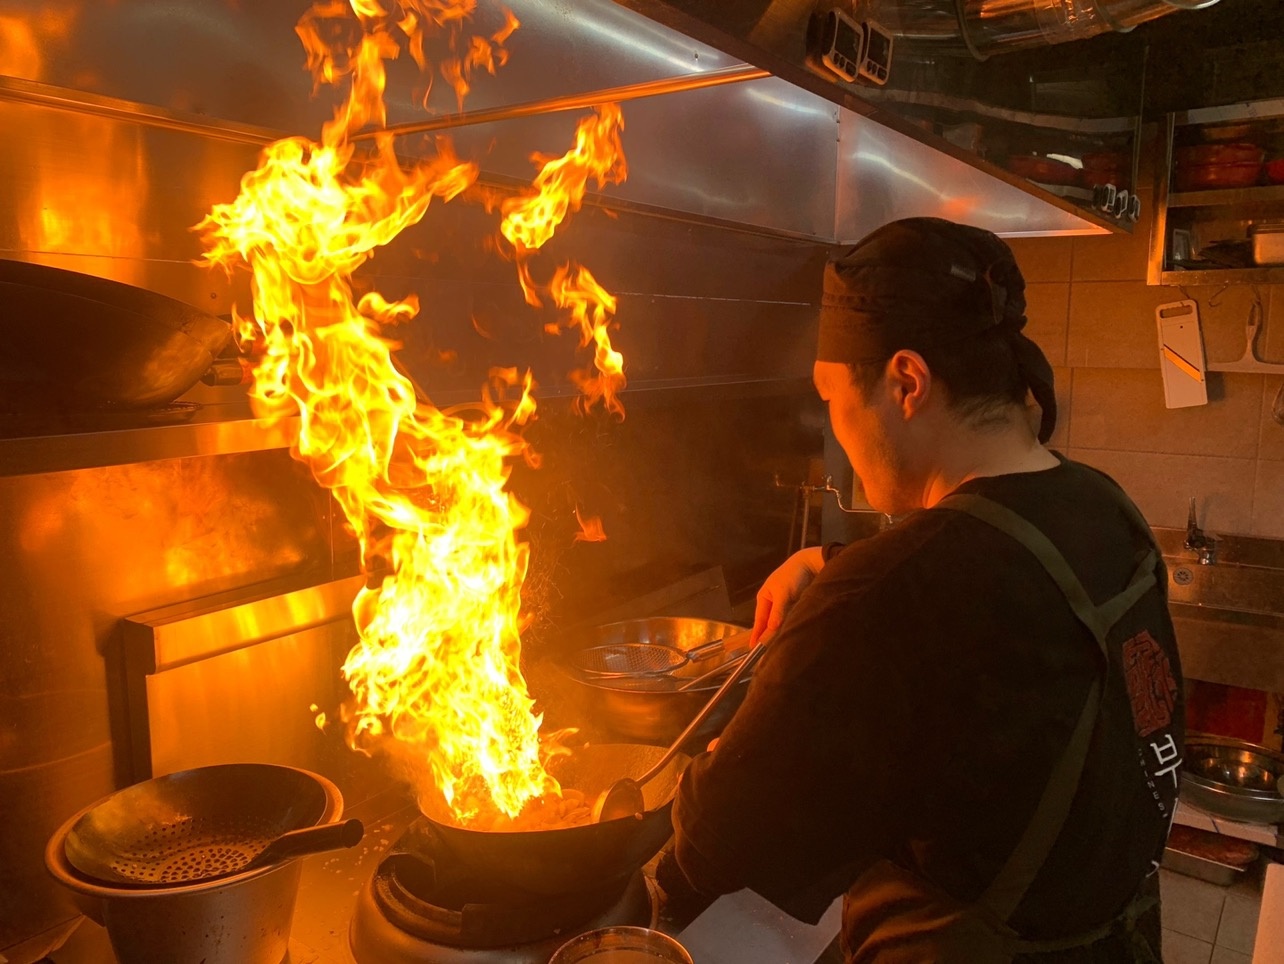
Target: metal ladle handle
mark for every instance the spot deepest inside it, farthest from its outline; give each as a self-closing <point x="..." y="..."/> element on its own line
<point x="714" y="700"/>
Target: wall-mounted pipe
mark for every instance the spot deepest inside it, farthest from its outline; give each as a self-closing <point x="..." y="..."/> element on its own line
<point x="988" y="27"/>
<point x="996" y="26"/>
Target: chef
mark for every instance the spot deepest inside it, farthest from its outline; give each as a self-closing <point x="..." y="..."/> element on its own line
<point x="970" y="724"/>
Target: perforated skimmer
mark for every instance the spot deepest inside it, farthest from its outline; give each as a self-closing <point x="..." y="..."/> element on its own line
<point x="639" y="659"/>
<point x="203" y="824"/>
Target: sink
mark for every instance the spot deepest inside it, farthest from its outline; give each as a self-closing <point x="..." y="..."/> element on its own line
<point x="1229" y="615"/>
<point x="1248" y="589"/>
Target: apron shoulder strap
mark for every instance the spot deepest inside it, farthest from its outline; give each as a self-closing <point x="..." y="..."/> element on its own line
<point x="1007" y="889"/>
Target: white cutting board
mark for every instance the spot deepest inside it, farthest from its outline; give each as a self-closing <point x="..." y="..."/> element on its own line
<point x="743" y="928"/>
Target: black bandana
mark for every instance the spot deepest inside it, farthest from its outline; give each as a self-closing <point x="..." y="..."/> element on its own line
<point x="923" y="283"/>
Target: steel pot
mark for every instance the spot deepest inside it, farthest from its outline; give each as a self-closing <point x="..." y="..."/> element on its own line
<point x="241" y="919"/>
<point x="628" y="710"/>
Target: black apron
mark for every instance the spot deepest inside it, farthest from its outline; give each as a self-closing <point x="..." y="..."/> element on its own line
<point x="893" y="915"/>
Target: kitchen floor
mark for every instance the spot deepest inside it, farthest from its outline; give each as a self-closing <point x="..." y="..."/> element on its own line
<point x="1208" y="924"/>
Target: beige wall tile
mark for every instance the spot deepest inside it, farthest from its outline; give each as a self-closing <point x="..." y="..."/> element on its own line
<point x="1112" y="324"/>
<point x="1063" y="378"/>
<point x="1042" y="259"/>
<point x="1047" y="308"/>
<point x="1123" y="408"/>
<point x="1116" y="257"/>
<point x="1270" y="346"/>
<point x="1162" y="486"/>
<point x="1223" y="316"/>
<point x="1268" y="500"/>
<point x="1271" y="443"/>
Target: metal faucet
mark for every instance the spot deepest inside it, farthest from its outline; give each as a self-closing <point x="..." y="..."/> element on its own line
<point x="1203" y="545"/>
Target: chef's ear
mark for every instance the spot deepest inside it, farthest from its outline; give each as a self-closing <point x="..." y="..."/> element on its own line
<point x="910" y="380"/>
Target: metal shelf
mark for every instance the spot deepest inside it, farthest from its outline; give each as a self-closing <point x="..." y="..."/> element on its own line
<point x="35" y="455"/>
<point x="213" y="432"/>
<point x="1254" y="110"/>
<point x="1225" y="276"/>
<point x="1226" y="197"/>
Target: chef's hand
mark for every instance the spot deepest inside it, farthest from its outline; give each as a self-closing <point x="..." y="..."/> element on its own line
<point x="782" y="589"/>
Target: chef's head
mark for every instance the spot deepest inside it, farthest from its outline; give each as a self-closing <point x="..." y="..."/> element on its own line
<point x="924" y="316"/>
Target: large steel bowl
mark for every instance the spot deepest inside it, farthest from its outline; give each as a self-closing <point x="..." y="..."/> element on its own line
<point x="1233" y="778"/>
<point x="631" y="709"/>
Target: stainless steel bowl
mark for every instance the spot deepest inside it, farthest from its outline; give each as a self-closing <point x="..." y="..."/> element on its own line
<point x="651" y="710"/>
<point x="621" y="944"/>
<point x="1233" y="778"/>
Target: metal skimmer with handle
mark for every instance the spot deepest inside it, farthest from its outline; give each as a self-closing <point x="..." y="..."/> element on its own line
<point x="623" y="660"/>
<point x="204" y="824"/>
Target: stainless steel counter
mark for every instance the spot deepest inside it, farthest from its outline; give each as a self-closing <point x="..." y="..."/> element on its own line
<point x="735" y="929"/>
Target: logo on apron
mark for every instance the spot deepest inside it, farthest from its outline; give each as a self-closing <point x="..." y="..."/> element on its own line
<point x="1152" y="688"/>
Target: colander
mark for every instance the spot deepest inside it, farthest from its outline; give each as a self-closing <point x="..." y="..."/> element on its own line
<point x="202" y="824"/>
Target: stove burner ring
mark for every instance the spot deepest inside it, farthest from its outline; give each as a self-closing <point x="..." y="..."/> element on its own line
<point x="375" y="938"/>
<point x="404" y="889"/>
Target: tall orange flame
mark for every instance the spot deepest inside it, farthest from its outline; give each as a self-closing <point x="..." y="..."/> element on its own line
<point x="437" y="665"/>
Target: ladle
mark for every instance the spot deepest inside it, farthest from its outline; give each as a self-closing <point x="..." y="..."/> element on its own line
<point x="623" y="798"/>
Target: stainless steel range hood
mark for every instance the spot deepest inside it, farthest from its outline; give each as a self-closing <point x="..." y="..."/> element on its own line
<point x="789" y="153"/>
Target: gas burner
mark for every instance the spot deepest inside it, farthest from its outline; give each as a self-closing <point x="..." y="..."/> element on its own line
<point x="419" y="910"/>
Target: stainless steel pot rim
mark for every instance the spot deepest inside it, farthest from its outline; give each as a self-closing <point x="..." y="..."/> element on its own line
<point x="61" y="869"/>
<point x="1238" y="793"/>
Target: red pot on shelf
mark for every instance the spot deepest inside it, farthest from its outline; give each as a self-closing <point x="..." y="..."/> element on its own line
<point x="1274" y="171"/>
<point x="1205" y="177"/>
<point x="1107" y="167"/>
<point x="1201" y="154"/>
<point x="1204" y="167"/>
<point x="1045" y="170"/>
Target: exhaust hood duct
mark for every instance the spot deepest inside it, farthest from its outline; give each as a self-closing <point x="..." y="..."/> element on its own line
<point x="988" y="27"/>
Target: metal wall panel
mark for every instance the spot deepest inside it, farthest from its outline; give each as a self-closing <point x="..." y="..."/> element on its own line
<point x="880" y="181"/>
<point x="81" y="550"/>
<point x="115" y="199"/>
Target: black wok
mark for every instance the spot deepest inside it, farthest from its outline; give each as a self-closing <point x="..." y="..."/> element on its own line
<point x="90" y="342"/>
<point x="573" y="859"/>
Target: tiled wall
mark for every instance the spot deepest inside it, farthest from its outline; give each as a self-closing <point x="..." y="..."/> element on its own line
<point x="1094" y="315"/>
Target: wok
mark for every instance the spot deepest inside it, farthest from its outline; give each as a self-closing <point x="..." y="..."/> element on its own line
<point x="549" y="863"/>
<point x="75" y="338"/>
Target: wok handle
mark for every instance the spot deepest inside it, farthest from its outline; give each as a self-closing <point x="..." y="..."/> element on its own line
<point x="714" y="700"/>
<point x="228" y="371"/>
<point x="309" y="840"/>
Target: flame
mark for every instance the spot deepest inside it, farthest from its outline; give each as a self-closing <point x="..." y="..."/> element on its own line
<point x="530" y="220"/>
<point x="559" y="188"/>
<point x="424" y="490"/>
<point x="591" y="529"/>
<point x="591" y="309"/>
